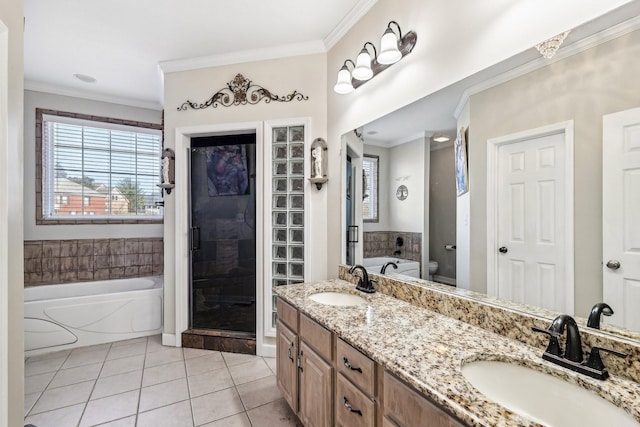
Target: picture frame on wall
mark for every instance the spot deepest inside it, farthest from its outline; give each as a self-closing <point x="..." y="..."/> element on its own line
<point x="462" y="174"/>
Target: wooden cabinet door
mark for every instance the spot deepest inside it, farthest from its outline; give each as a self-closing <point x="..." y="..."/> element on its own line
<point x="406" y="408"/>
<point x="287" y="364"/>
<point x="316" y="381"/>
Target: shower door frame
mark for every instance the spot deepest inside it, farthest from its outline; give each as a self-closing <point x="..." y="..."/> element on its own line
<point x="183" y="137"/>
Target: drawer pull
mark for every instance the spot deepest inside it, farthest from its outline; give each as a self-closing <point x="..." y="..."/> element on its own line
<point x="347" y="405"/>
<point x="348" y="365"/>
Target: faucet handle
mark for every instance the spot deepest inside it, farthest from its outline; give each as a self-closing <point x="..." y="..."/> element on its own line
<point x="595" y="361"/>
<point x="554" y="345"/>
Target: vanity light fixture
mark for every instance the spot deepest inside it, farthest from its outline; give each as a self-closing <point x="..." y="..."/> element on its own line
<point x="548" y="48"/>
<point x="363" y="70"/>
<point x="344" y="85"/>
<point x="389" y="52"/>
<point x="393" y="47"/>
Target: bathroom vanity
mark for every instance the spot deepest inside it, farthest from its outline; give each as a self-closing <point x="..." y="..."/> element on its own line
<point x="386" y="362"/>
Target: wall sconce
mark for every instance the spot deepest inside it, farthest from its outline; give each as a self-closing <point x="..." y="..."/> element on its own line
<point x="318" y="162"/>
<point x="168" y="170"/>
<point x="393" y="47"/>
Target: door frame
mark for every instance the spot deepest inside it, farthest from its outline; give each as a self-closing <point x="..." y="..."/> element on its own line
<point x="493" y="146"/>
<point x="4" y="231"/>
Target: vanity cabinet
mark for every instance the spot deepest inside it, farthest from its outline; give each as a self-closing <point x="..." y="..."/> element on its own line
<point x="305" y="371"/>
<point x="404" y="407"/>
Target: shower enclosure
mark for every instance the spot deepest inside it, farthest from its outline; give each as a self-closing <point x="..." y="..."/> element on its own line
<point x="223" y="234"/>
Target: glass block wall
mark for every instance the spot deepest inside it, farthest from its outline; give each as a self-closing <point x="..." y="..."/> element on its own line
<point x="287" y="208"/>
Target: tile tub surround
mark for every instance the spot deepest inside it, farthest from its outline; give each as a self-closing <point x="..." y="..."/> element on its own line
<point x="383" y="243"/>
<point x="66" y="261"/>
<point x="427" y="350"/>
<point x="510" y="319"/>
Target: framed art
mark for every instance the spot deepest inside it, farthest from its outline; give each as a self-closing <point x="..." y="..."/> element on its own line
<point x="462" y="178"/>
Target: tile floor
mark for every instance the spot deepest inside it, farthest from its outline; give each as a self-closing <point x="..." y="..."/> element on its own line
<point x="141" y="383"/>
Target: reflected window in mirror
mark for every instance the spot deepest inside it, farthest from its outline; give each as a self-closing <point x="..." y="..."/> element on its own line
<point x="370" y="188"/>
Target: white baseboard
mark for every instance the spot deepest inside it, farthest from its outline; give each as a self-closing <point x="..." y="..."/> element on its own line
<point x="268" y="350"/>
<point x="170" y="340"/>
<point x="445" y="280"/>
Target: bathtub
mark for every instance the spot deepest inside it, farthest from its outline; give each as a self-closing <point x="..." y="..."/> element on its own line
<point x="58" y="317"/>
<point x="405" y="266"/>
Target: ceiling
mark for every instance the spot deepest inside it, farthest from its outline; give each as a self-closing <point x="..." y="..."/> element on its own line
<point x="121" y="43"/>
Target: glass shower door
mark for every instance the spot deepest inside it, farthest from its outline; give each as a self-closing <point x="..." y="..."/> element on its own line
<point x="223" y="237"/>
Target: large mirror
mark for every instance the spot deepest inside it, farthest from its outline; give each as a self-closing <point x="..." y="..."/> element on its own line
<point x="572" y="115"/>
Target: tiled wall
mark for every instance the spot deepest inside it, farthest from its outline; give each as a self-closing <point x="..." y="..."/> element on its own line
<point x="383" y="243"/>
<point x="66" y="261"/>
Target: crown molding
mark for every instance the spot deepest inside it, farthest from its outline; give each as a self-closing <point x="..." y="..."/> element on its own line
<point x="391" y="144"/>
<point x="565" y="52"/>
<point x="347" y="22"/>
<point x="276" y="52"/>
<point x="56" y="90"/>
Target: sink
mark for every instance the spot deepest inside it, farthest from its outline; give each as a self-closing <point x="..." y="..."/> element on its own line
<point x="338" y="299"/>
<point x="543" y="398"/>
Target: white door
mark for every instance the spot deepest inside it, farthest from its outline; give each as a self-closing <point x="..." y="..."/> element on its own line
<point x="621" y="217"/>
<point x="533" y="197"/>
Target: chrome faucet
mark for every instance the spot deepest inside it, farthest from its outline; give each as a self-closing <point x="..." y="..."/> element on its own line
<point x="384" y="267"/>
<point x="598" y="310"/>
<point x="572" y="357"/>
<point x="364" y="284"/>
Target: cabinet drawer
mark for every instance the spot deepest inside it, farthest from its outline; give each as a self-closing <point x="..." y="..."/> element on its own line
<point x="356" y="366"/>
<point x="318" y="337"/>
<point x="287" y="314"/>
<point x="353" y="408"/>
<point x="407" y="408"/>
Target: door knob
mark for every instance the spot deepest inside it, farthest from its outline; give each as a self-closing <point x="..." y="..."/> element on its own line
<point x="503" y="250"/>
<point x="613" y="264"/>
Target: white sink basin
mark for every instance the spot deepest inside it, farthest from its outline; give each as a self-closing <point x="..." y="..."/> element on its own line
<point x="543" y="398"/>
<point x="338" y="299"/>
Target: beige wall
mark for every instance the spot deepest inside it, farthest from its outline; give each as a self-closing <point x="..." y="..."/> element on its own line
<point x="489" y="32"/>
<point x="307" y="75"/>
<point x="11" y="15"/>
<point x="582" y="88"/>
<point x="442" y="211"/>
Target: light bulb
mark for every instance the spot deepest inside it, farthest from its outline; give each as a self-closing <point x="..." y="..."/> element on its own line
<point x="389" y="53"/>
<point x="363" y="71"/>
<point x="343" y="85"/>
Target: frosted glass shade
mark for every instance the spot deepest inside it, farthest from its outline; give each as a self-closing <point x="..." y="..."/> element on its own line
<point x="389" y="53"/>
<point x="363" y="66"/>
<point x="343" y="85"/>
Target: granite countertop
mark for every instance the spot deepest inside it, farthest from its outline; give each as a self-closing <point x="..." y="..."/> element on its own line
<point x="427" y="350"/>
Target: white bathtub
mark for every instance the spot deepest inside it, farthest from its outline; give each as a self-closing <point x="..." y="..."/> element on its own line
<point x="405" y="266"/>
<point x="57" y="317"/>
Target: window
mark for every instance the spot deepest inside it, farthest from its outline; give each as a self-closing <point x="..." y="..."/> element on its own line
<point x="98" y="168"/>
<point x="370" y="188"/>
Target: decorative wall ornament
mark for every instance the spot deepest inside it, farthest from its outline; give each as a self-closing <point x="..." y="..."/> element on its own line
<point x="242" y="91"/>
